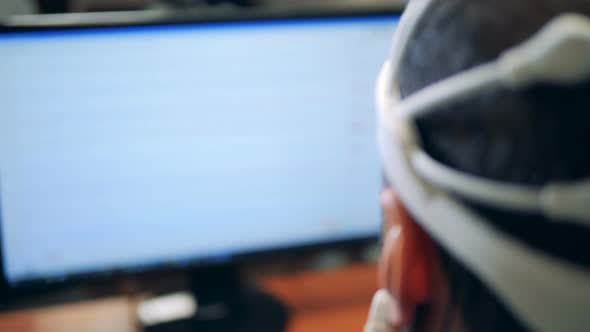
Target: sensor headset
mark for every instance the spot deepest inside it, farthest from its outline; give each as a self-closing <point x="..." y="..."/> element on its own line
<point x="545" y="293"/>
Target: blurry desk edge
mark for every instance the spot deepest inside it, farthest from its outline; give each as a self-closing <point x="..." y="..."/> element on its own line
<point x="319" y="301"/>
<point x="312" y="291"/>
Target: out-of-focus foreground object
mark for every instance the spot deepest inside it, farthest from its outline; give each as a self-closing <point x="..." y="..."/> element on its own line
<point x="558" y="54"/>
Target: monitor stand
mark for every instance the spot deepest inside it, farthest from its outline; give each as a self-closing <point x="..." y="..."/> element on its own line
<point x="225" y="304"/>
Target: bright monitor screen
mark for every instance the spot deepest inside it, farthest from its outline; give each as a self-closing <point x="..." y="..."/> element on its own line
<point x="123" y="148"/>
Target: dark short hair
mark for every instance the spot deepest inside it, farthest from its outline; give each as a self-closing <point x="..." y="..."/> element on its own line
<point x="532" y="137"/>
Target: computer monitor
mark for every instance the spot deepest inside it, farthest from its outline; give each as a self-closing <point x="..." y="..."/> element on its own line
<point x="132" y="148"/>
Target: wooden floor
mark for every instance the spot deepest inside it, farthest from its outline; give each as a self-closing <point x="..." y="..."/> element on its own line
<point x="323" y="302"/>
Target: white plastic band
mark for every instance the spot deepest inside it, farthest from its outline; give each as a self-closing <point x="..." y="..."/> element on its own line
<point x="475" y="188"/>
<point x="547" y="294"/>
<point x="559" y="53"/>
<point x="437" y="95"/>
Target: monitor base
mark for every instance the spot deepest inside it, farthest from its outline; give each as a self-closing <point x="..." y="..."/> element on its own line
<point x="259" y="312"/>
<point x="225" y="305"/>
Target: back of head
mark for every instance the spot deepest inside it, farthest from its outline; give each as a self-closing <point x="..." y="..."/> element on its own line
<point x="534" y="136"/>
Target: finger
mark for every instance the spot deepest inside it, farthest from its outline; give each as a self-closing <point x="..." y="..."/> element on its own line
<point x="382" y="307"/>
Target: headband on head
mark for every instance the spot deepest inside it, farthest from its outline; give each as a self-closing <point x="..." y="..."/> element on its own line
<point x="544" y="292"/>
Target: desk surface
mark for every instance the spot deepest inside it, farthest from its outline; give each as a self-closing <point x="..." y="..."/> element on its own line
<point x="320" y="301"/>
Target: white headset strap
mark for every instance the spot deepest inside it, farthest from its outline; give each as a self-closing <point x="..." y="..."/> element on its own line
<point x="547" y="294"/>
<point x="557" y="54"/>
<point x="556" y="201"/>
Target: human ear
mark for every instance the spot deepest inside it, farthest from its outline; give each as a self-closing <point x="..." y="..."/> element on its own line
<point x="406" y="261"/>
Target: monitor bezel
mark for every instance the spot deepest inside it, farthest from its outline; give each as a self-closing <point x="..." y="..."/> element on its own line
<point x="52" y="22"/>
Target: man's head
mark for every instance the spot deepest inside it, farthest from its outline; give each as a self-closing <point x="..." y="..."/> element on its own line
<point x="531" y="137"/>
